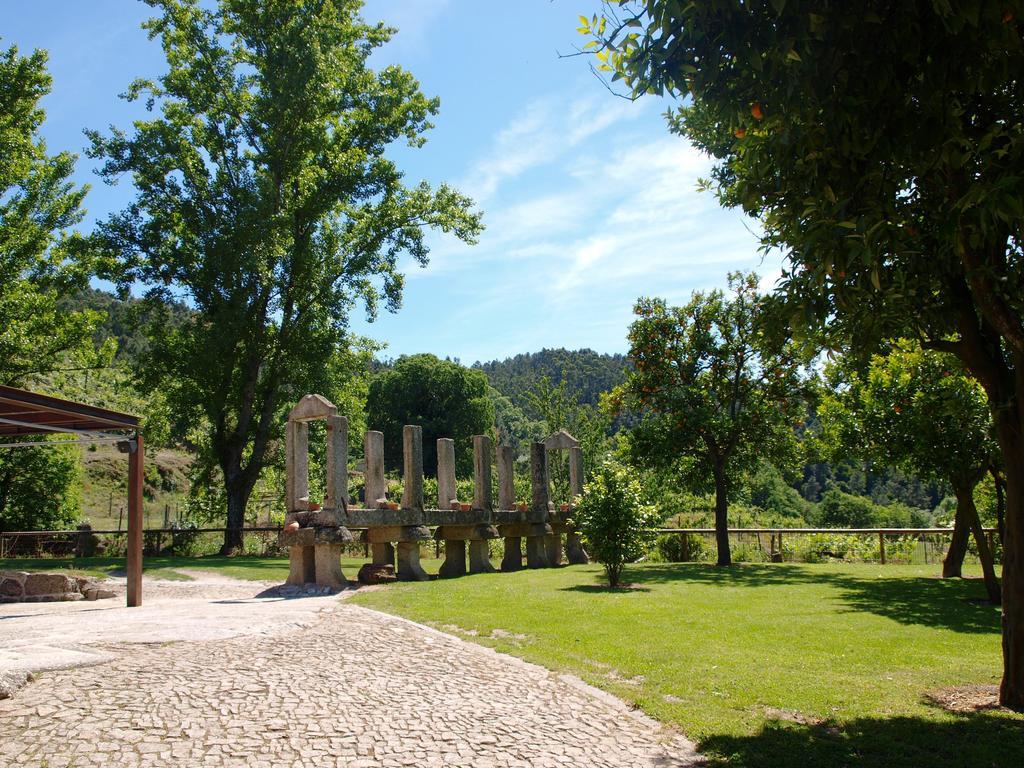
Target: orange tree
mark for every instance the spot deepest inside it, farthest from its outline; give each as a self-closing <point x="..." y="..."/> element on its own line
<point x="916" y="409"/>
<point x="716" y="394"/>
<point x="881" y="147"/>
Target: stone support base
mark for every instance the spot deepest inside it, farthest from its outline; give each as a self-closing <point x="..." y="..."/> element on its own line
<point x="574" y="551"/>
<point x="536" y="552"/>
<point x="327" y="558"/>
<point x="409" y="568"/>
<point x="513" y="559"/>
<point x="553" y="549"/>
<point x="301" y="565"/>
<point x="454" y="559"/>
<point x="480" y="556"/>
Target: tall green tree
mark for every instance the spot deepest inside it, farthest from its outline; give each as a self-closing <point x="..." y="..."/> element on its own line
<point x="716" y="395"/>
<point x="41" y="258"/>
<point x="917" y="410"/>
<point x="443" y="397"/>
<point x="267" y="202"/>
<point x="880" y="146"/>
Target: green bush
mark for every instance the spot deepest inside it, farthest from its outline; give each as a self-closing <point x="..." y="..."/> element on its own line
<point x="680" y="548"/>
<point x="613" y="518"/>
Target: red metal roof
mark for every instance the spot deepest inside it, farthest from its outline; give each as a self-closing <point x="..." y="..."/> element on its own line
<point x="29" y="413"/>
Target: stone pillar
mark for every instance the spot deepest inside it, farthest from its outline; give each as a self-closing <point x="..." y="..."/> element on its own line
<point x="336" y="493"/>
<point x="574" y="551"/>
<point x="506" y="477"/>
<point x="412" y="462"/>
<point x="536" y="552"/>
<point x="327" y="558"/>
<point x="483" y="502"/>
<point x="447" y="489"/>
<point x="296" y="459"/>
<point x="483" y="498"/>
<point x="454" y="549"/>
<point x="373" y="452"/>
<point x="575" y="472"/>
<point x="302" y="565"/>
<point x="513" y="558"/>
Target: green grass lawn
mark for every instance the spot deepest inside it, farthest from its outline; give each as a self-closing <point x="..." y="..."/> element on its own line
<point x="762" y="665"/>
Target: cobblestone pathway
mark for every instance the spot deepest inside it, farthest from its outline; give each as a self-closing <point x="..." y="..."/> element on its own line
<point x="356" y="689"/>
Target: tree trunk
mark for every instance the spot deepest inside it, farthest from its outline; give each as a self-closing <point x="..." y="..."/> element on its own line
<point x="952" y="566"/>
<point x="237" y="501"/>
<point x="1011" y="443"/>
<point x="722" y="517"/>
<point x="985" y="555"/>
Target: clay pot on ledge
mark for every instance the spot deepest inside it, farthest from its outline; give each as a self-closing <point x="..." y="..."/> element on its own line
<point x="454" y="505"/>
<point x="465" y="507"/>
<point x="522" y="507"/>
<point x="563" y="507"/>
<point x="392" y="505"/>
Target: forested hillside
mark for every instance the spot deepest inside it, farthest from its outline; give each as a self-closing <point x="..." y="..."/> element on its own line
<point x="585" y="372"/>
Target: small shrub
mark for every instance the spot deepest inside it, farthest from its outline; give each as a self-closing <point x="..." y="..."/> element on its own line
<point x="613" y="519"/>
<point x="680" y="548"/>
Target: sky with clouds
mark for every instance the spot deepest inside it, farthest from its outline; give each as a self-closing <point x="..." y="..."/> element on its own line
<point x="588" y="201"/>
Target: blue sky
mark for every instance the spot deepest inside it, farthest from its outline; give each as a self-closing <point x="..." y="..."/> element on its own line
<point x="588" y="201"/>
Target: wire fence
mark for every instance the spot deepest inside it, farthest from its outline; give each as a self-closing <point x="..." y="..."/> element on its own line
<point x="882" y="545"/>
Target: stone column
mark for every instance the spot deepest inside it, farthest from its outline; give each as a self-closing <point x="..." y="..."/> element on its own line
<point x="506" y="477"/>
<point x="336" y="495"/>
<point x="454" y="549"/>
<point x="513" y="558"/>
<point x="412" y="462"/>
<point x="536" y="552"/>
<point x="374" y="488"/>
<point x="296" y="460"/>
<point x="574" y="551"/>
<point x="301" y="565"/>
<point x="483" y="502"/>
<point x="409" y="568"/>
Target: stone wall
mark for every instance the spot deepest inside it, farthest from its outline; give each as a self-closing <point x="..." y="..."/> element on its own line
<point x="22" y="587"/>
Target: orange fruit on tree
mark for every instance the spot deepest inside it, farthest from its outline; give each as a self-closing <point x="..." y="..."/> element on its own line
<point x="755" y="110"/>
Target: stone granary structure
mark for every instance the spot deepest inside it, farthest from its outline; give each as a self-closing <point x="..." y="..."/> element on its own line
<point x="315" y="535"/>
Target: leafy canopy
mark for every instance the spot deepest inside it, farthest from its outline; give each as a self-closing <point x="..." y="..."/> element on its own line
<point x="716" y="394"/>
<point x="443" y="397"/>
<point x="914" y="409"/>
<point x="40" y="257"/>
<point x="266" y="200"/>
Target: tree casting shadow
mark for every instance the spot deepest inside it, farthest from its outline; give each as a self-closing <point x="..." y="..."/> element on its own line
<point x="985" y="739"/>
<point x="945" y="603"/>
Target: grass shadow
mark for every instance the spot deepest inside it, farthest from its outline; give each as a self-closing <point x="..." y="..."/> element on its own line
<point x="992" y="740"/>
<point x="955" y="604"/>
<point x="622" y="589"/>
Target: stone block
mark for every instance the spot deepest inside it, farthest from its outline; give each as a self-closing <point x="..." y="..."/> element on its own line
<point x="301" y="565"/>
<point x="409" y="568"/>
<point x="11" y="588"/>
<point x="49" y="584"/>
<point x="536" y="552"/>
<point x="553" y="548"/>
<point x="312" y="407"/>
<point x="480" y="556"/>
<point x="377" y="574"/>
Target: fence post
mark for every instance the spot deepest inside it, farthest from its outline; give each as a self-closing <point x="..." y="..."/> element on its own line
<point x="881" y="547"/>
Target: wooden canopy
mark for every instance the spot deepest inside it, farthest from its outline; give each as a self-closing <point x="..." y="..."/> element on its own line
<point x="28" y="413"/>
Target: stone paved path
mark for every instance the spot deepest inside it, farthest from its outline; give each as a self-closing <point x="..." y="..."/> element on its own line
<point x="356" y="688"/>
